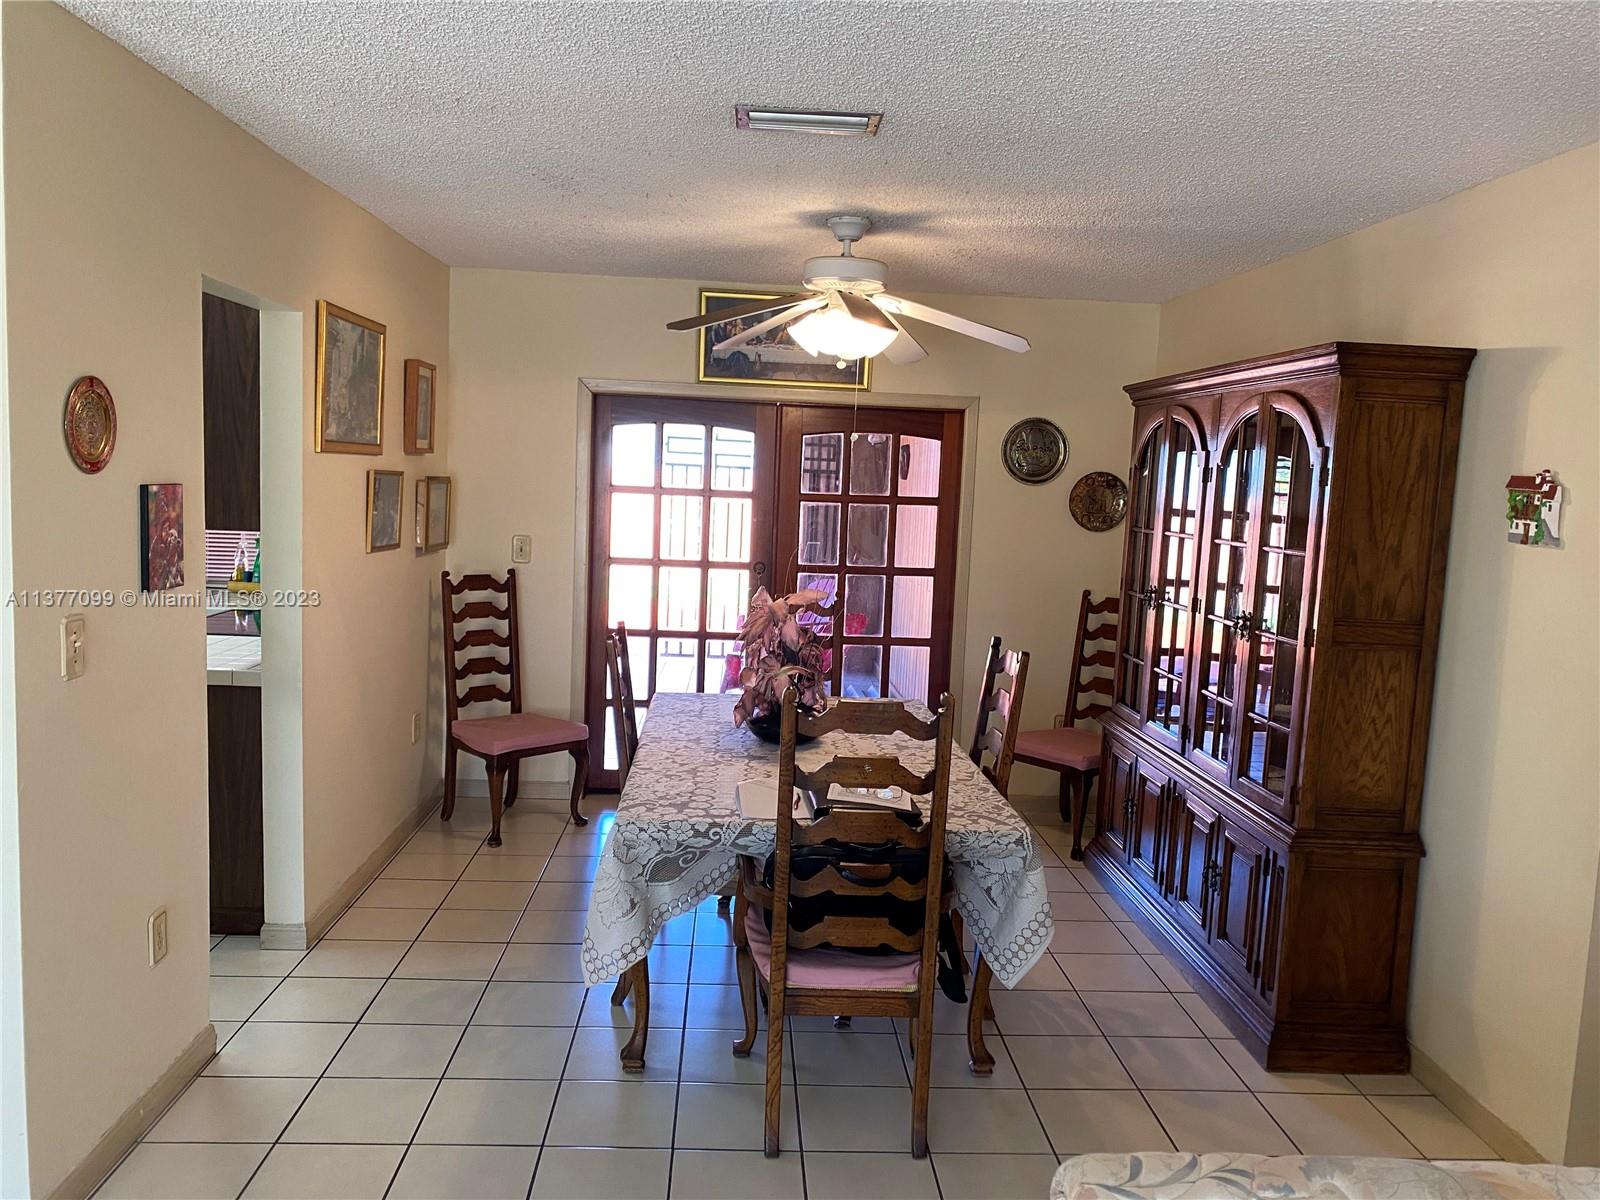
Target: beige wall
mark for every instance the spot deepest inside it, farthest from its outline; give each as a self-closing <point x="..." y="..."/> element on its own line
<point x="1510" y="821"/>
<point x="520" y="342"/>
<point x="122" y="191"/>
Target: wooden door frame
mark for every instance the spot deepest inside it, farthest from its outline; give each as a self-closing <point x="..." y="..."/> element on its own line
<point x="965" y="661"/>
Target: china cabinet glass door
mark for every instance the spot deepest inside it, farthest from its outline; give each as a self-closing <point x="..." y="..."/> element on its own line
<point x="1134" y="636"/>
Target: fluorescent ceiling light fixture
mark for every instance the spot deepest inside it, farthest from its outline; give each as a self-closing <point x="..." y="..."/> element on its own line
<point x="834" y="333"/>
<point x="839" y="124"/>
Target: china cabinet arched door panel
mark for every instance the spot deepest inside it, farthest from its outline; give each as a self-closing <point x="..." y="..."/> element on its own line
<point x="1133" y="635"/>
<point x="1171" y="594"/>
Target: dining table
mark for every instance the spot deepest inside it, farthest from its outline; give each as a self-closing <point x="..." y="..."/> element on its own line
<point x="679" y="832"/>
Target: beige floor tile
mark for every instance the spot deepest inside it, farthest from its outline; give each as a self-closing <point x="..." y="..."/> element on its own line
<point x="524" y="841"/>
<point x="560" y="895"/>
<point x="444" y="841"/>
<point x="1137" y="938"/>
<point x="551" y="925"/>
<point x="963" y="1121"/>
<point x="1037" y="1013"/>
<point x="396" y="1051"/>
<point x="450" y="960"/>
<point x="244" y="956"/>
<point x="1045" y="976"/>
<point x="666" y="1007"/>
<point x="677" y="932"/>
<point x="950" y="1060"/>
<point x="1139" y="1014"/>
<point x="713" y="1006"/>
<point x="465" y="1173"/>
<point x="713" y="929"/>
<point x="511" y="1052"/>
<point x="856" y="1118"/>
<point x="1089" y="1122"/>
<point x="1067" y="1062"/>
<point x="1176" y="1064"/>
<point x="489" y="894"/>
<point x="325" y="1173"/>
<point x="317" y="999"/>
<point x="1200" y="1122"/>
<point x="287" y="1049"/>
<point x="810" y="1023"/>
<point x="1337" y="1125"/>
<point x="848" y="1058"/>
<point x="1059" y="879"/>
<point x="1432" y="1128"/>
<point x="381" y="924"/>
<point x="729" y="1116"/>
<point x="613" y="1114"/>
<point x="351" y="960"/>
<point x="361" y="1111"/>
<point x="994" y="1176"/>
<point x="1087" y="878"/>
<point x="573" y="1174"/>
<point x="1088" y="937"/>
<point x="708" y="1058"/>
<point x="1203" y="1016"/>
<point x="412" y="865"/>
<point x="525" y="818"/>
<point x="569" y="870"/>
<point x="548" y="962"/>
<point x="403" y="893"/>
<point x="520" y="868"/>
<point x="1168" y="972"/>
<point x="177" y="1171"/>
<point x="235" y="998"/>
<point x="1110" y="973"/>
<point x="530" y="1004"/>
<point x="735" y="1175"/>
<point x="1258" y="1079"/>
<point x="832" y="1176"/>
<point x="231" y="1110"/>
<point x="1388" y="1085"/>
<point x="471" y="925"/>
<point x="425" y="1002"/>
<point x="597" y="1054"/>
<point x="581" y="843"/>
<point x="712" y="964"/>
<point x="488" y="1112"/>
<point x="225" y="1030"/>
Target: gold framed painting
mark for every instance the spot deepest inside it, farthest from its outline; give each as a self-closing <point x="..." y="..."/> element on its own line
<point x="433" y="512"/>
<point x="421" y="397"/>
<point x="384" y="492"/>
<point x="774" y="359"/>
<point x="349" y="417"/>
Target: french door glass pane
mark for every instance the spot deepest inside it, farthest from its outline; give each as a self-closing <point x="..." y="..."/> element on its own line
<point x="639" y="666"/>
<point x="633" y="455"/>
<point x="730" y="530"/>
<point x="916" y="535"/>
<point x="1291" y="486"/>
<point x="724" y="661"/>
<point x="919" y="466"/>
<point x="870" y="455"/>
<point x="733" y="460"/>
<point x="1224" y="591"/>
<point x="913" y="606"/>
<point x="863" y="667"/>
<point x="683" y="456"/>
<point x="908" y="672"/>
<point x="822" y="463"/>
<point x="863" y="605"/>
<point x="633" y="525"/>
<point x="681" y="518"/>
<point x="679" y="603"/>
<point x="869" y="536"/>
<point x="828" y="585"/>
<point x="727" y="599"/>
<point x="819" y="534"/>
<point x="675" y="664"/>
<point x="628" y="596"/>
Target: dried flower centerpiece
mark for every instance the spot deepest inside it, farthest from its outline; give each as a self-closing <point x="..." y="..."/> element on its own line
<point x="780" y="651"/>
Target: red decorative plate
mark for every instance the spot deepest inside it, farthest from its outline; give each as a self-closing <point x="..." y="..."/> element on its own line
<point x="90" y="424"/>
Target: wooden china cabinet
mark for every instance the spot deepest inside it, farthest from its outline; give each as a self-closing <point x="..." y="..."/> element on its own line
<point x="1263" y="761"/>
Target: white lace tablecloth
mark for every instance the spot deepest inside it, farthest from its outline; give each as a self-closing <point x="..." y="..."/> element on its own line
<point x="679" y="830"/>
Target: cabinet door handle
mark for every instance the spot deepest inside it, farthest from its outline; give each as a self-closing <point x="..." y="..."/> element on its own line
<point x="1129" y="807"/>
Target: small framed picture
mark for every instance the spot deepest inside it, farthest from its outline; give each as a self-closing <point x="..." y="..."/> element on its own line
<point x="349" y="382"/>
<point x="433" y="512"/>
<point x="160" y="536"/>
<point x="773" y="358"/>
<point x="384" y="491"/>
<point x="421" y="398"/>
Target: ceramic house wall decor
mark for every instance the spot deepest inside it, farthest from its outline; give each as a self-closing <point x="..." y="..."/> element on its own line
<point x="1533" y="510"/>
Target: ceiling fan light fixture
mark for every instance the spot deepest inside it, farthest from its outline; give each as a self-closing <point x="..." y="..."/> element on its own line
<point x="784" y="120"/>
<point x="832" y="333"/>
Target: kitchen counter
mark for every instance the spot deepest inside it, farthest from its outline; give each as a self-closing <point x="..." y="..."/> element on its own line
<point x="233" y="660"/>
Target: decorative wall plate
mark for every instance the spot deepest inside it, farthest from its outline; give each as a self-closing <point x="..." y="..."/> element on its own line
<point x="90" y="424"/>
<point x="1034" y="450"/>
<point x="1099" y="501"/>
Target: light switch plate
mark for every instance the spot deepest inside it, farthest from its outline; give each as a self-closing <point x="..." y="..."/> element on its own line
<point x="158" y="935"/>
<point x="74" y="649"/>
<point x="521" y="548"/>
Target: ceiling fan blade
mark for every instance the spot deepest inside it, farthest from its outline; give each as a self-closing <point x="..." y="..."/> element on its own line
<point x="754" y="308"/>
<point x="933" y="316"/>
<point x="770" y="323"/>
<point x="865" y="312"/>
<point x="905" y="349"/>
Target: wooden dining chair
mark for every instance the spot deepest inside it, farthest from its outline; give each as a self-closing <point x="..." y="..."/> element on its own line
<point x="503" y="740"/>
<point x="1071" y="747"/>
<point x="624" y="715"/>
<point x="1005" y="677"/>
<point x="813" y="969"/>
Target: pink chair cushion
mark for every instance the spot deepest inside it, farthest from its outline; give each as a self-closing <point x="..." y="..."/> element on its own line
<point x="832" y="968"/>
<point x="516" y="731"/>
<point x="1078" y="748"/>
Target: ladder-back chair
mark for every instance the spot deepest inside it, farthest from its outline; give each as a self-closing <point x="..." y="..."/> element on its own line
<point x="502" y="741"/>
<point x="1005" y="676"/>
<point x="624" y="714"/>
<point x="1071" y="748"/>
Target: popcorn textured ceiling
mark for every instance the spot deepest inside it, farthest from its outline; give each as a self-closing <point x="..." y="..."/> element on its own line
<point x="1101" y="149"/>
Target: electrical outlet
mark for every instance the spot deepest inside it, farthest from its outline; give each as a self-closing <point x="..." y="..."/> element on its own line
<point x="158" y="935"/>
<point x="74" y="646"/>
<point x="416" y="728"/>
<point x="521" y="548"/>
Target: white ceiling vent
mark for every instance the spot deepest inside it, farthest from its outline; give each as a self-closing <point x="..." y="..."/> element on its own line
<point x="786" y="120"/>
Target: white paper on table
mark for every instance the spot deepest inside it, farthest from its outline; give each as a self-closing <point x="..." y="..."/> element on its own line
<point x="893" y="799"/>
<point x="758" y="798"/>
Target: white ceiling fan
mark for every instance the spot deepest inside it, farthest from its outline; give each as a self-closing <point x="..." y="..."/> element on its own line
<point x="844" y="312"/>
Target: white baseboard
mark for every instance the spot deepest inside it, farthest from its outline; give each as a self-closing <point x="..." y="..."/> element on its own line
<point x="542" y="789"/>
<point x="137" y="1119"/>
<point x="283" y="937"/>
<point x="1503" y="1140"/>
<point x="320" y="921"/>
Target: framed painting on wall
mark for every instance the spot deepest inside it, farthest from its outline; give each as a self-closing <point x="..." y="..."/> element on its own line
<point x="160" y="536"/>
<point x="433" y="512"/>
<point x="772" y="358"/>
<point x="421" y="398"/>
<point x="349" y="382"/>
<point x="384" y="491"/>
